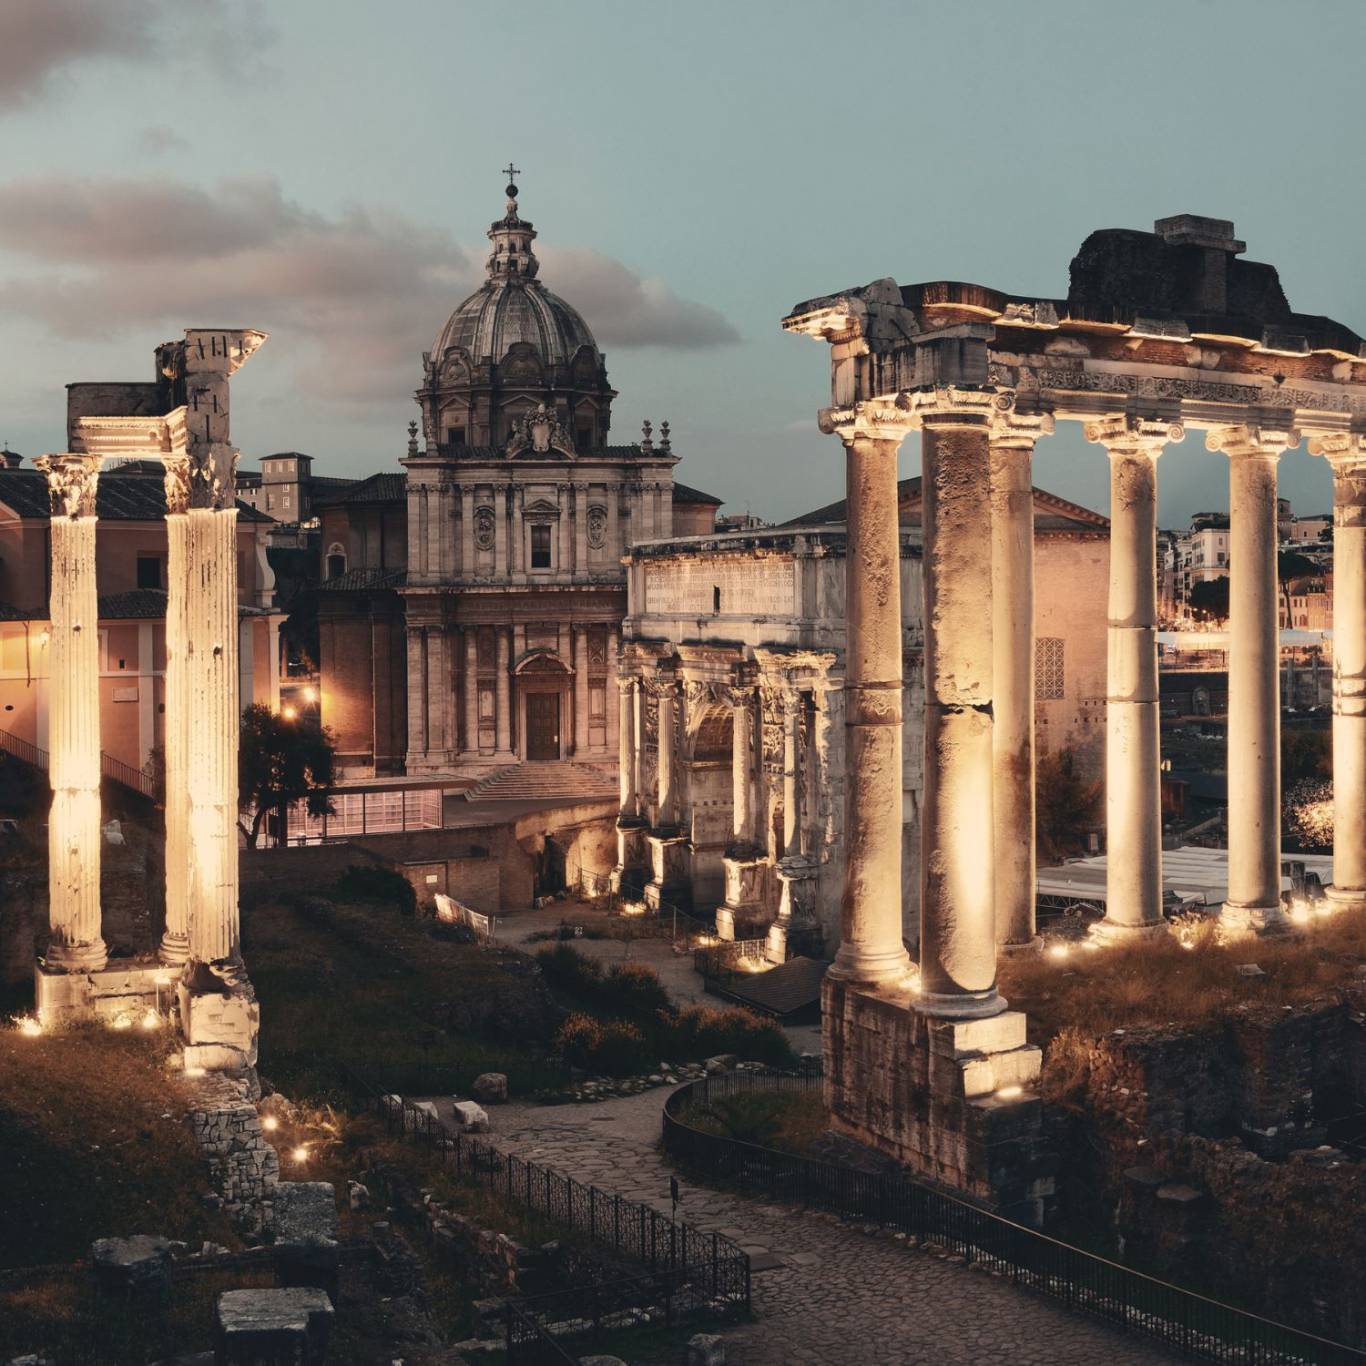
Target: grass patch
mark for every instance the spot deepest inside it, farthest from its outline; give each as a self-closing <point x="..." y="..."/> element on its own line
<point x="363" y="991"/>
<point x="790" y="1121"/>
<point x="1165" y="984"/>
<point x="93" y="1144"/>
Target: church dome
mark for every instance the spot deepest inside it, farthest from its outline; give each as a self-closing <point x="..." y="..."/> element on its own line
<point x="513" y="306"/>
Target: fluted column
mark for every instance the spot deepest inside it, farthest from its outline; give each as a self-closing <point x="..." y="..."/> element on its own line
<point x="1254" y="709"/>
<point x="175" y="940"/>
<point x="638" y="749"/>
<point x="1346" y="453"/>
<point x="871" y="944"/>
<point x="1012" y="633"/>
<point x="742" y="767"/>
<point x="580" y="690"/>
<point x="665" y="692"/>
<point x="792" y="793"/>
<point x="504" y="721"/>
<point x="1133" y="762"/>
<point x="76" y="943"/>
<point x="626" y="744"/>
<point x="472" y="689"/>
<point x="957" y="898"/>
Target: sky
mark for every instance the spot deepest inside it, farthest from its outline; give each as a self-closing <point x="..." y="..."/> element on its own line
<point x="325" y="170"/>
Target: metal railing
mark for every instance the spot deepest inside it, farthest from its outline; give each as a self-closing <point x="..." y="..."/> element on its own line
<point x="115" y="769"/>
<point x="707" y="1262"/>
<point x="713" y="962"/>
<point x="1178" y="1318"/>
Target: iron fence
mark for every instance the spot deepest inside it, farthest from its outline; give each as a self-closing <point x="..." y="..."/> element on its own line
<point x="709" y="1264"/>
<point x="714" y="961"/>
<point x="1178" y="1318"/>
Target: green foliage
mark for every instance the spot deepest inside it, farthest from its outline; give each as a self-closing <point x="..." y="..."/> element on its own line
<point x="701" y="1031"/>
<point x="1306" y="756"/>
<point x="382" y="886"/>
<point x="281" y="762"/>
<point x="1066" y="805"/>
<point x="792" y="1121"/>
<point x="1209" y="600"/>
<point x="636" y="991"/>
<point x="568" y="971"/>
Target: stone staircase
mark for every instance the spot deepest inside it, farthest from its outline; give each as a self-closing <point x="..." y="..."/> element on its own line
<point x="530" y="782"/>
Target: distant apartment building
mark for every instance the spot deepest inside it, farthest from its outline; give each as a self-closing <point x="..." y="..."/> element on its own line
<point x="285" y="487"/>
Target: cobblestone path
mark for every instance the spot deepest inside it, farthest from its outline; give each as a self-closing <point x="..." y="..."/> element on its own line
<point x="831" y="1293"/>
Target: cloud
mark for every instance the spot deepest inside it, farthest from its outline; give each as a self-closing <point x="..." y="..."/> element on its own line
<point x="159" y="139"/>
<point x="40" y="39"/>
<point x="351" y="300"/>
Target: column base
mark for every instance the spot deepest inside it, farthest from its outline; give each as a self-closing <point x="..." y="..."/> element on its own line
<point x="220" y="1019"/>
<point x="775" y="947"/>
<point x="1238" y="919"/>
<point x="121" y="993"/>
<point x="174" y="949"/>
<point x="965" y="1005"/>
<point x="1117" y="934"/>
<point x="1346" y="898"/>
<point x="669" y="884"/>
<point x="76" y="957"/>
<point x="870" y="967"/>
<point x="725" y="924"/>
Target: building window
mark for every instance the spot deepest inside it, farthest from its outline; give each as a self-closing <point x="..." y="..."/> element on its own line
<point x="149" y="571"/>
<point x="455" y="436"/>
<point x="1048" y="669"/>
<point x="540" y="545"/>
<point x="336" y="561"/>
<point x="584" y="432"/>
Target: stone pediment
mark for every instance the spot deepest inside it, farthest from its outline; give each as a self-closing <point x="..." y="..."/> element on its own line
<point x="543" y="662"/>
<point x="541" y="505"/>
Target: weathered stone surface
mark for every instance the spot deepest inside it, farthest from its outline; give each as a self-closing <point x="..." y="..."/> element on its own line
<point x="706" y="1349"/>
<point x="471" y="1117"/>
<point x="491" y="1088"/>
<point x="305" y="1212"/>
<point x="283" y="1327"/>
<point x="137" y="1265"/>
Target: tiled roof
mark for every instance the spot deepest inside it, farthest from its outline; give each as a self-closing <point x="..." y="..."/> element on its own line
<point x="378" y="488"/>
<point x="361" y="580"/>
<point x="8" y="613"/>
<point x="119" y="497"/>
<point x="684" y="494"/>
<point x="1051" y="513"/>
<point x="139" y="604"/>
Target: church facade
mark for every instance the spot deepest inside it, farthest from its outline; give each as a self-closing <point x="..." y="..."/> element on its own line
<point x="500" y="606"/>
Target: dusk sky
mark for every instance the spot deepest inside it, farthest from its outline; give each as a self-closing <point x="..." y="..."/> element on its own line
<point x="326" y="170"/>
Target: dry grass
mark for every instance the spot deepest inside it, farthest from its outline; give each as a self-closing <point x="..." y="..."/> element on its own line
<point x="790" y="1121"/>
<point x="93" y="1144"/>
<point x="1187" y="986"/>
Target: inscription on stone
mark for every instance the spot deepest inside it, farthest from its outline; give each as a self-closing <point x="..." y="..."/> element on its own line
<point x="704" y="588"/>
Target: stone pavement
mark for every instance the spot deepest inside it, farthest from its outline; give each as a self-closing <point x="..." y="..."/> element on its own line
<point x="832" y="1293"/>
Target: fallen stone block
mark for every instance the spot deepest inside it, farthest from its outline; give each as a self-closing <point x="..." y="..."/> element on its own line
<point x="722" y="1062"/>
<point x="491" y="1088"/>
<point x="306" y="1251"/>
<point x="140" y="1265"/>
<point x="472" y="1118"/>
<point x="286" y="1327"/>
<point x="706" y="1349"/>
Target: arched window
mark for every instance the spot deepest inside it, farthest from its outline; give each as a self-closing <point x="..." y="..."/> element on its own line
<point x="336" y="560"/>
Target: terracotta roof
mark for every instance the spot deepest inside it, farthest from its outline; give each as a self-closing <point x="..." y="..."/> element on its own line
<point x="684" y="494"/>
<point x="1051" y="513"/>
<point x="139" y="604"/>
<point x="377" y="488"/>
<point x="119" y="497"/>
<point x="363" y="580"/>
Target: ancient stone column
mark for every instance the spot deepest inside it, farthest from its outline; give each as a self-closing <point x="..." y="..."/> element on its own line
<point x="792" y="796"/>
<point x="871" y="946"/>
<point x="504" y="703"/>
<point x="472" y="689"/>
<point x="626" y="758"/>
<point x="638" y="745"/>
<point x="580" y="690"/>
<point x="1346" y="453"/>
<point x="742" y="767"/>
<point x="665" y="692"/>
<point x="1254" y="712"/>
<point x="1133" y="762"/>
<point x="1012" y="631"/>
<point x="175" y="941"/>
<point x="76" y="943"/>
<point x="957" y="898"/>
<point x="213" y="720"/>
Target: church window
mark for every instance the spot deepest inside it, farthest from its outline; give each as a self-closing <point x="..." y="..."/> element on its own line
<point x="1048" y="669"/>
<point x="336" y="561"/>
<point x="540" y="545"/>
<point x="455" y="436"/>
<point x="585" y="435"/>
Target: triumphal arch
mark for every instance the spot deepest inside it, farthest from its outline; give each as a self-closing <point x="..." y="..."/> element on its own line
<point x="1161" y="334"/>
<point x="179" y="418"/>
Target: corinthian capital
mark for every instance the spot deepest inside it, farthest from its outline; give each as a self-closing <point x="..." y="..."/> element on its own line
<point x="871" y="421"/>
<point x="1263" y="440"/>
<point x="71" y="483"/>
<point x="1009" y="428"/>
<point x="1130" y="434"/>
<point x="175" y="478"/>
<point x="212" y="470"/>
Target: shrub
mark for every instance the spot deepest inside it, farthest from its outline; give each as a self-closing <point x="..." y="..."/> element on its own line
<point x="567" y="970"/>
<point x="701" y="1031"/>
<point x="635" y="991"/>
<point x="578" y="1039"/>
<point x="621" y="1050"/>
<point x="365" y="882"/>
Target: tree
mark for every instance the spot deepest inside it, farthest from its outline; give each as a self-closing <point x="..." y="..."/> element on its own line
<point x="1066" y="806"/>
<point x="280" y="762"/>
<point x="1209" y="599"/>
